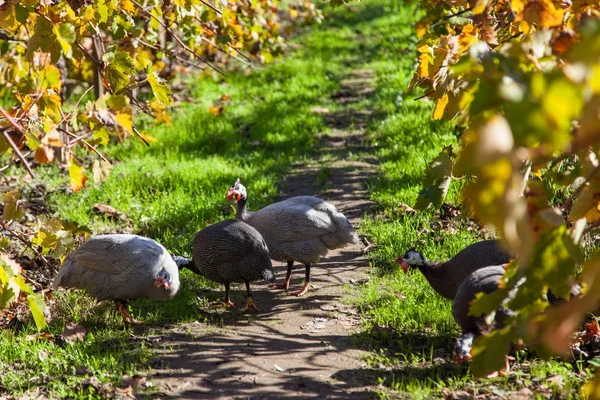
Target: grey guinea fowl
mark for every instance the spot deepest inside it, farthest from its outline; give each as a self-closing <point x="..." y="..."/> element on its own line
<point x="302" y="228"/>
<point x="485" y="280"/>
<point x="446" y="277"/>
<point x="120" y="267"/>
<point x="230" y="251"/>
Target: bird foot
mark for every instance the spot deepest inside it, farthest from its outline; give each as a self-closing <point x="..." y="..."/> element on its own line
<point x="249" y="304"/>
<point x="300" y="293"/>
<point x="225" y="304"/>
<point x="122" y="308"/>
<point x="462" y="359"/>
<point x="279" y="286"/>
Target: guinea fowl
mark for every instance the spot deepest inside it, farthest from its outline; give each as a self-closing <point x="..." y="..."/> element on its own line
<point x="446" y="277"/>
<point x="485" y="280"/>
<point x="230" y="251"/>
<point x="302" y="228"/>
<point x="120" y="267"/>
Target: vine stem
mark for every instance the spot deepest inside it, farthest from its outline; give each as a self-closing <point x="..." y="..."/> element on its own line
<point x="177" y="38"/>
<point x="12" y="144"/>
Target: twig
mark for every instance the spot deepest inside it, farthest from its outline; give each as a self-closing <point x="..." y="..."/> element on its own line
<point x="88" y="144"/>
<point x="65" y="117"/>
<point x="140" y="136"/>
<point x="228" y="45"/>
<point x="176" y="37"/>
<point x="24" y="241"/>
<point x="425" y="95"/>
<point x="250" y="64"/>
<point x="569" y="203"/>
<point x="12" y="144"/>
<point x="447" y="17"/>
<point x="591" y="226"/>
<point x="212" y="7"/>
<point x="89" y="55"/>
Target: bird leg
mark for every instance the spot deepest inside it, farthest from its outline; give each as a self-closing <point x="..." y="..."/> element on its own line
<point x="304" y="289"/>
<point x="288" y="276"/>
<point x="249" y="302"/>
<point x="122" y="308"/>
<point x="227" y="303"/>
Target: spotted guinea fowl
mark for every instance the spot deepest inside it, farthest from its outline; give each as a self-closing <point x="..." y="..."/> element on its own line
<point x="230" y="251"/>
<point x="484" y="280"/>
<point x="302" y="229"/>
<point x="446" y="277"/>
<point x="120" y="267"/>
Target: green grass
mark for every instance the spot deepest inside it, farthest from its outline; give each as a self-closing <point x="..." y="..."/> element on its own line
<point x="177" y="186"/>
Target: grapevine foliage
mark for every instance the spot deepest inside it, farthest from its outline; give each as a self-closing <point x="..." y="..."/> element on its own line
<point x="74" y="74"/>
<point x="523" y="79"/>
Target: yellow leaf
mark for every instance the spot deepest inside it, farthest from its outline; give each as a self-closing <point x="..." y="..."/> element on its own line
<point x="215" y="110"/>
<point x="440" y="106"/>
<point x="125" y="121"/>
<point x="480" y="6"/>
<point x="78" y="177"/>
<point x="12" y="211"/>
<point x="127" y="5"/>
<point x="148" y="138"/>
<point x="423" y="66"/>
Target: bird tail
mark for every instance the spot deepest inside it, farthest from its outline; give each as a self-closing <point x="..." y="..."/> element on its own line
<point x="182" y="262"/>
<point x="268" y="275"/>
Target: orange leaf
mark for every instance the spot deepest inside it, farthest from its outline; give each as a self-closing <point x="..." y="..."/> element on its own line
<point x="44" y="154"/>
<point x="78" y="177"/>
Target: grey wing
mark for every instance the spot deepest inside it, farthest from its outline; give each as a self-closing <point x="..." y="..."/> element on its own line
<point x="114" y="254"/>
<point x="295" y="222"/>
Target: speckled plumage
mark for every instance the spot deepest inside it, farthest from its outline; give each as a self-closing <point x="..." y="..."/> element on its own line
<point x="231" y="251"/>
<point x="485" y="280"/>
<point x="445" y="278"/>
<point x="302" y="229"/>
<point x="119" y="267"/>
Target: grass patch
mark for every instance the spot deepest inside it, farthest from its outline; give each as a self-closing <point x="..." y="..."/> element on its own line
<point x="177" y="186"/>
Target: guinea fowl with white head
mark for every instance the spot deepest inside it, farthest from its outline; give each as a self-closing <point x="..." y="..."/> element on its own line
<point x="230" y="251"/>
<point x="446" y="277"/>
<point x="302" y="229"/>
<point x="120" y="267"/>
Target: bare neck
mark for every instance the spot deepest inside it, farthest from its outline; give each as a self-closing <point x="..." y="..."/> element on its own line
<point x="242" y="213"/>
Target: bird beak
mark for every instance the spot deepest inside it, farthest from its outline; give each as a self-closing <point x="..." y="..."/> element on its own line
<point x="400" y="261"/>
<point x="161" y="282"/>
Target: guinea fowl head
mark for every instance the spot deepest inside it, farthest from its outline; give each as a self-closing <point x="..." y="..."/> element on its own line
<point x="163" y="279"/>
<point x="236" y="190"/>
<point x="410" y="259"/>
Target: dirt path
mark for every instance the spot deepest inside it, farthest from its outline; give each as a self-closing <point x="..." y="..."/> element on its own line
<point x="294" y="346"/>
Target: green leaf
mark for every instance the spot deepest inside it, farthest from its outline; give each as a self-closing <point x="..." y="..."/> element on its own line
<point x="489" y="351"/>
<point x="43" y="39"/>
<point x="119" y="66"/>
<point x="12" y="211"/>
<point x="37" y="307"/>
<point x="22" y="13"/>
<point x="436" y="182"/>
<point x="160" y="89"/>
<point x="65" y="35"/>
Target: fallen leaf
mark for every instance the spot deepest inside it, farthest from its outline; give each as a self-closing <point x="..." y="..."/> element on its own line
<point x="319" y="110"/>
<point x="278" y="368"/>
<point x="74" y="333"/>
<point x="215" y="110"/>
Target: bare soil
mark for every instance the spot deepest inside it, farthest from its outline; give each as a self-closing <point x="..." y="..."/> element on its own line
<point x="294" y="347"/>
